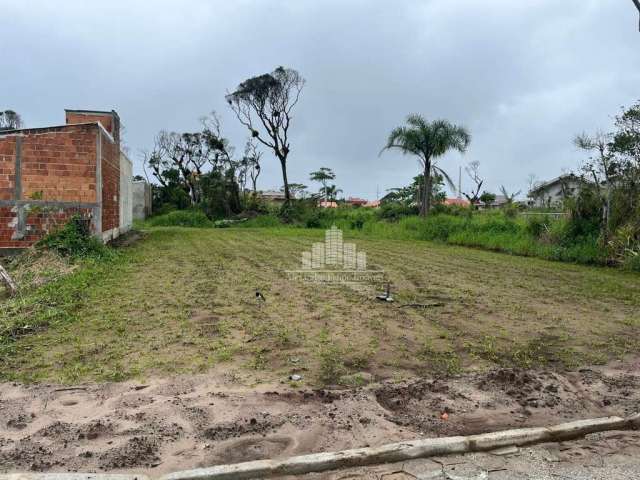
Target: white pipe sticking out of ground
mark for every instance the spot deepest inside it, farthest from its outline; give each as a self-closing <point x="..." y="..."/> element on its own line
<point x="359" y="457"/>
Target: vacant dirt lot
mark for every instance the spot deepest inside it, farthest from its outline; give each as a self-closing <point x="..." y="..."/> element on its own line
<point x="204" y="367"/>
<point x="183" y="301"/>
<point x="174" y="423"/>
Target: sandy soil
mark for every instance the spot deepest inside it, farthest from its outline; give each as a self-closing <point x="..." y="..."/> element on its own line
<point x="177" y="423"/>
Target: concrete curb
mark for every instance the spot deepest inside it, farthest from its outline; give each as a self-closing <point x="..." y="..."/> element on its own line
<point x="395" y="452"/>
<point x="71" y="476"/>
<point x="402" y="451"/>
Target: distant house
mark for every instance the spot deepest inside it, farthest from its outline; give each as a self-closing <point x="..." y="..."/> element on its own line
<point x="359" y="202"/>
<point x="461" y="202"/>
<point x="497" y="202"/>
<point x="327" y="204"/>
<point x="272" y="196"/>
<point x="552" y="193"/>
<point x="372" y="204"/>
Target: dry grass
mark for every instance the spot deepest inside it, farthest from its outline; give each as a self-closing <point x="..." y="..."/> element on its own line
<point x="35" y="268"/>
<point x="183" y="300"/>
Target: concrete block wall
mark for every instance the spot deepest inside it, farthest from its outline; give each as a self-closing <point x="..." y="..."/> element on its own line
<point x="126" y="193"/>
<point x="142" y="200"/>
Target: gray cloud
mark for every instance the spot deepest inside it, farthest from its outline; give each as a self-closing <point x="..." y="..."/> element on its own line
<point x="523" y="76"/>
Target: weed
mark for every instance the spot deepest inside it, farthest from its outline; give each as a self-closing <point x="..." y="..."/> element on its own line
<point x="442" y="362"/>
<point x="181" y="218"/>
<point x="74" y="239"/>
<point x="258" y="360"/>
<point x="222" y="351"/>
<point x="330" y="357"/>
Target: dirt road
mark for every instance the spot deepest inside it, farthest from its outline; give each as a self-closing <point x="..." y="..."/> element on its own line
<point x="169" y="424"/>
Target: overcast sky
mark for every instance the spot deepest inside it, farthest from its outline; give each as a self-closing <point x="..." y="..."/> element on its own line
<point x="523" y="76"/>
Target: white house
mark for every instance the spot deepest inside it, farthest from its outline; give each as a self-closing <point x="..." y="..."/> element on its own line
<point x="553" y="192"/>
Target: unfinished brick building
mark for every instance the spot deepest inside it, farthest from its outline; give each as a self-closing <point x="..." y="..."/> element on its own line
<point x="49" y="174"/>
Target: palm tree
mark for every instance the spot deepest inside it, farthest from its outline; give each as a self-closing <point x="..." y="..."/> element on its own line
<point x="332" y="192"/>
<point x="428" y="141"/>
<point x="509" y="198"/>
<point x="323" y="176"/>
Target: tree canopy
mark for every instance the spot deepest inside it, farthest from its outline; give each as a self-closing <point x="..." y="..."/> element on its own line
<point x="264" y="105"/>
<point x="428" y="141"/>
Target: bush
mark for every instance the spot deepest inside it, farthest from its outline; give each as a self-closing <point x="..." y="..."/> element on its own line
<point x="181" y="218"/>
<point x="537" y="225"/>
<point x="74" y="239"/>
<point x="632" y="263"/>
<point x="396" y="211"/>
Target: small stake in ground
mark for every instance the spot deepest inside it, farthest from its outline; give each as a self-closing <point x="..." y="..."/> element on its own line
<point x="6" y="279"/>
<point x="386" y="296"/>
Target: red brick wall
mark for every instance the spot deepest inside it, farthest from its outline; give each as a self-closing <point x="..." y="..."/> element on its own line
<point x="57" y="164"/>
<point x="40" y="221"/>
<point x="7" y="168"/>
<point x="110" y="185"/>
<point x="109" y="121"/>
<point x="60" y="164"/>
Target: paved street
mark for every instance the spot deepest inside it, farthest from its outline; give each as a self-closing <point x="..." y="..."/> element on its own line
<point x="603" y="456"/>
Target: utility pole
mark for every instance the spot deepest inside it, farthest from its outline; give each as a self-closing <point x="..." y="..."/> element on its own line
<point x="637" y="4"/>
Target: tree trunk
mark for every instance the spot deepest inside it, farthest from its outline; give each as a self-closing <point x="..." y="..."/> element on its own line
<point x="607" y="211"/>
<point x="283" y="164"/>
<point x="425" y="205"/>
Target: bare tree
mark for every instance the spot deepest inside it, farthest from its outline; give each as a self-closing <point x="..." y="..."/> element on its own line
<point x="268" y="100"/>
<point x="10" y="120"/>
<point x="473" y="170"/>
<point x="218" y="150"/>
<point x="601" y="167"/>
<point x="509" y="197"/>
<point x="253" y="155"/>
<point x="190" y="155"/>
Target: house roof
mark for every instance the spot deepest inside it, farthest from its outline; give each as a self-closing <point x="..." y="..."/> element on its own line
<point x="559" y="179"/>
<point x="457" y="201"/>
<point x="272" y="193"/>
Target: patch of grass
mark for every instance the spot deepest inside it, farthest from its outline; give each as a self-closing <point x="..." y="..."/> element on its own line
<point x="441" y="362"/>
<point x="183" y="300"/>
<point x="330" y="357"/>
<point x="181" y="218"/>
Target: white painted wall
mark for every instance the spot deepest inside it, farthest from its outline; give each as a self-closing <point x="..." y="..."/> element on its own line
<point x="553" y="195"/>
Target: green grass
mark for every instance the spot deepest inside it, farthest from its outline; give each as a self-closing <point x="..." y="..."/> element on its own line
<point x="540" y="236"/>
<point x="183" y="300"/>
<point x="181" y="218"/>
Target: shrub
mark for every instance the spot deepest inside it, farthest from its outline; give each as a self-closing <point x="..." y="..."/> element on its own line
<point x="181" y="218"/>
<point x="330" y="356"/>
<point x="537" y="225"/>
<point x="262" y="221"/>
<point x="396" y="211"/>
<point x="632" y="263"/>
<point x="74" y="239"/>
